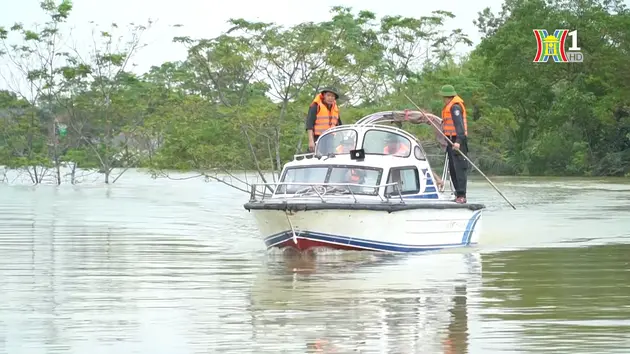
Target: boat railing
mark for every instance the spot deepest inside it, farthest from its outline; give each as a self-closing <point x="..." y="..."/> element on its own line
<point x="308" y="155"/>
<point x="321" y="190"/>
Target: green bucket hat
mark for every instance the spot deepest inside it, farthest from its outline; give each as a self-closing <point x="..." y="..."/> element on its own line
<point x="448" y="91"/>
<point x="331" y="90"/>
<point x="391" y="138"/>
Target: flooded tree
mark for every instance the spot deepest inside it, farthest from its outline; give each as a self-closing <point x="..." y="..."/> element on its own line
<point x="74" y="108"/>
<point x="35" y="57"/>
<point x="106" y="103"/>
<point x="238" y="101"/>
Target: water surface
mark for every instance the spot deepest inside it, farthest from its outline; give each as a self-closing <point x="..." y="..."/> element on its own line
<point x="163" y="266"/>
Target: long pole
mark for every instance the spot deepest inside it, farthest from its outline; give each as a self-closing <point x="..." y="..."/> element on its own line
<point x="445" y="175"/>
<point x="465" y="157"/>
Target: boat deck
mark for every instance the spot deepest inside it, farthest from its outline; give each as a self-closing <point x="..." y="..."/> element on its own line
<point x="376" y="205"/>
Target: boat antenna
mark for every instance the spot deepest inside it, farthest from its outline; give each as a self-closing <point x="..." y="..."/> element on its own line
<point x="465" y="157"/>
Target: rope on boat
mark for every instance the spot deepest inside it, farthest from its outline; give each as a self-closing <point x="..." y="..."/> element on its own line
<point x="286" y="213"/>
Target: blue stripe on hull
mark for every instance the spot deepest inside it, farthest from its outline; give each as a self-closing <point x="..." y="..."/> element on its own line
<point x="430" y="192"/>
<point x="278" y="239"/>
<point x="423" y="196"/>
<point x="470" y="228"/>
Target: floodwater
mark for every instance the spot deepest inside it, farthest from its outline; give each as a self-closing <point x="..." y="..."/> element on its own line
<point x="177" y="267"/>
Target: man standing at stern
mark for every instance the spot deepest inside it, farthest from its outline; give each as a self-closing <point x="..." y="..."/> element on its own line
<point x="455" y="127"/>
<point x="323" y="114"/>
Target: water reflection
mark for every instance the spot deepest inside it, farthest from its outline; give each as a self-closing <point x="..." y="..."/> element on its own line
<point x="167" y="267"/>
<point x="398" y="304"/>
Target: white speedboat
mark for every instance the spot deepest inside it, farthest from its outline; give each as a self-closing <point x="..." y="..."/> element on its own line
<point x="367" y="186"/>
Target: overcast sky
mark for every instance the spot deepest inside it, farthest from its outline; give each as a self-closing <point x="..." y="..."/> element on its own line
<point x="201" y="19"/>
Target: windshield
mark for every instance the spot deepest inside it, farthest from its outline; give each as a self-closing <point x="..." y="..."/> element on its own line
<point x="337" y="143"/>
<point x="386" y="143"/>
<point x="334" y="176"/>
<point x="302" y="175"/>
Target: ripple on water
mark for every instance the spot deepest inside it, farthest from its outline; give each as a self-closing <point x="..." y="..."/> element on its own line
<point x="158" y="266"/>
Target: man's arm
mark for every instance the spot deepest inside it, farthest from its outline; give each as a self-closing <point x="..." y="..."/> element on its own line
<point x="310" y="122"/>
<point x="458" y="120"/>
<point x="339" y="120"/>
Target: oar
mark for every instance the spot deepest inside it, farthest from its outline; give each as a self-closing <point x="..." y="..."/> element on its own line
<point x="466" y="157"/>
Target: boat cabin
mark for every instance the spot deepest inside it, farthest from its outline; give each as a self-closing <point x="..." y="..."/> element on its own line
<point x="363" y="160"/>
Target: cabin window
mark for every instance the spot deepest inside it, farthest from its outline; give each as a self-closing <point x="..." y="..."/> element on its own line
<point x="379" y="142"/>
<point x="355" y="175"/>
<point x="336" y="178"/>
<point x="409" y="179"/>
<point x="302" y="175"/>
<point x="419" y="153"/>
<point x="338" y="143"/>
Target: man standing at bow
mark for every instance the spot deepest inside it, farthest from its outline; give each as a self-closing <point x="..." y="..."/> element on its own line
<point x="323" y="114"/>
<point x="455" y="127"/>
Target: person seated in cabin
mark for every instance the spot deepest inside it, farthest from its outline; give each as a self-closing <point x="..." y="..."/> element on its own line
<point x="393" y="146"/>
<point x="355" y="176"/>
<point x="346" y="145"/>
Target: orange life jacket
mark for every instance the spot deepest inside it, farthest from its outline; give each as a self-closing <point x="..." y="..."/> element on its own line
<point x="448" y="126"/>
<point x="354" y="177"/>
<point x="325" y="119"/>
<point x="402" y="150"/>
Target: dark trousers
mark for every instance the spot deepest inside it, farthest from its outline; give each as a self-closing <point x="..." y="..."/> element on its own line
<point x="458" y="167"/>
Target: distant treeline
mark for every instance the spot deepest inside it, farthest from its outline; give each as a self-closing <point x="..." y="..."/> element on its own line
<point x="239" y="100"/>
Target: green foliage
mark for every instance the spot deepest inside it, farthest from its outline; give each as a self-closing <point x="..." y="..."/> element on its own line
<point x="564" y="112"/>
<point x="238" y="101"/>
<point x="76" y="107"/>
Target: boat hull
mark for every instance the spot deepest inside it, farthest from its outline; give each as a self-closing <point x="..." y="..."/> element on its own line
<point x="404" y="231"/>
